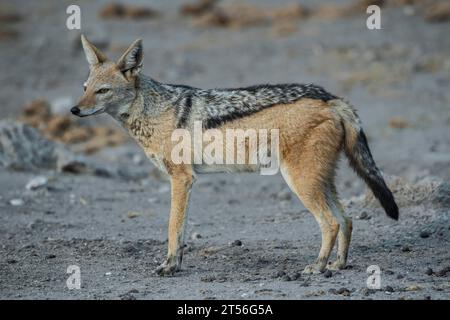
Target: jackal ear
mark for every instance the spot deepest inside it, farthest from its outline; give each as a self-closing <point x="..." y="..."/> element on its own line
<point x="93" y="55"/>
<point x="131" y="61"/>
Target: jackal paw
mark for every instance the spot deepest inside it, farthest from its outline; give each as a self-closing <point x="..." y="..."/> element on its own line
<point x="166" y="269"/>
<point x="337" y="265"/>
<point x="314" y="268"/>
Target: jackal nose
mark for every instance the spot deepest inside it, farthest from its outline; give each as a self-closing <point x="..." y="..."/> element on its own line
<point x="75" y="110"/>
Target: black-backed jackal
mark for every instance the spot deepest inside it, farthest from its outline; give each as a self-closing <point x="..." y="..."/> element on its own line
<point x="314" y="127"/>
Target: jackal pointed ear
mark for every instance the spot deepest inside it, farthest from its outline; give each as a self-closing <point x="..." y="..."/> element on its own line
<point x="93" y="55"/>
<point x="130" y="63"/>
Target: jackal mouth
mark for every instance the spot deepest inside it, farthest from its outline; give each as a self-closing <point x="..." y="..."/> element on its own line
<point x="85" y="113"/>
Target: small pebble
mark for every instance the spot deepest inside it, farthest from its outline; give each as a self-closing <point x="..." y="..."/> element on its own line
<point x="284" y="196"/>
<point x="443" y="272"/>
<point x="366" y="291"/>
<point x="36" y="183"/>
<point x="296" y="276"/>
<point x="344" y="292"/>
<point x="424" y="234"/>
<point x="133" y="214"/>
<point x="429" y="271"/>
<point x="50" y="256"/>
<point x="286" y="278"/>
<point x="389" y="289"/>
<point x="413" y="288"/>
<point x="363" y="216"/>
<point x="406" y="249"/>
<point x="196" y="236"/>
<point x="236" y="243"/>
<point x="280" y="273"/>
<point x="16" y="202"/>
<point x="328" y="274"/>
<point x="332" y="291"/>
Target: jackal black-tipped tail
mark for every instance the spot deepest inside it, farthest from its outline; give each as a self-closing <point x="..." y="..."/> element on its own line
<point x="358" y="152"/>
<point x="361" y="160"/>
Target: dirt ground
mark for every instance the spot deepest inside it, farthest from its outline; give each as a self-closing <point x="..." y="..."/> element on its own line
<point x="248" y="237"/>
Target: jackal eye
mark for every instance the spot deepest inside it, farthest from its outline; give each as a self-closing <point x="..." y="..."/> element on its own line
<point x="102" y="90"/>
<point x="84" y="87"/>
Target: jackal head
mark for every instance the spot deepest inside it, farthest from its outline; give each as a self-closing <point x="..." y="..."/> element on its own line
<point x="110" y="86"/>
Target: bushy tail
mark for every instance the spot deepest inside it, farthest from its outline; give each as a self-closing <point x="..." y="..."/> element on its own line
<point x="361" y="160"/>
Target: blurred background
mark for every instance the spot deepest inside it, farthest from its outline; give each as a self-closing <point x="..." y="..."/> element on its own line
<point x="85" y="184"/>
<point x="398" y="77"/>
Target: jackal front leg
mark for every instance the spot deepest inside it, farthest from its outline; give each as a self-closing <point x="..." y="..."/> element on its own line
<point x="181" y="183"/>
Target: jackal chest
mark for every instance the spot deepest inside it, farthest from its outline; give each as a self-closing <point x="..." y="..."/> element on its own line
<point x="154" y="138"/>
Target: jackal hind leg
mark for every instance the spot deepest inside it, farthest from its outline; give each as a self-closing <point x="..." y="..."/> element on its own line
<point x="309" y="171"/>
<point x="344" y="235"/>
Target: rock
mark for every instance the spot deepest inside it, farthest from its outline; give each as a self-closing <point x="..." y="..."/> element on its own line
<point x="389" y="289"/>
<point x="236" y="243"/>
<point x="366" y="291"/>
<point x="66" y="161"/>
<point x="429" y="271"/>
<point x="315" y="293"/>
<point x="424" y="234"/>
<point x="296" y="276"/>
<point x="332" y="291"/>
<point x="11" y="261"/>
<point x="16" y="202"/>
<point x="133" y="214"/>
<point x="443" y="272"/>
<point x="284" y="196"/>
<point x="363" y="216"/>
<point x="344" y="292"/>
<point x="286" y="278"/>
<point x="23" y="148"/>
<point x="413" y="287"/>
<point x="127" y="296"/>
<point x="328" y="274"/>
<point x="50" y="256"/>
<point x="280" y="274"/>
<point x="196" y="236"/>
<point x="36" y="183"/>
<point x="406" y="249"/>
